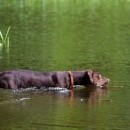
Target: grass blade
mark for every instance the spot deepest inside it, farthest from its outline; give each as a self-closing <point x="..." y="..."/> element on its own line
<point x="7" y="34"/>
<point x="1" y="36"/>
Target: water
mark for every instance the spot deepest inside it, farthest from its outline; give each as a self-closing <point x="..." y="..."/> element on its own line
<point x="67" y="35"/>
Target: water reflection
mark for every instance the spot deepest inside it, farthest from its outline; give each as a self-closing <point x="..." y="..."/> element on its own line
<point x="53" y="109"/>
<point x="0" y="51"/>
<point x="90" y="96"/>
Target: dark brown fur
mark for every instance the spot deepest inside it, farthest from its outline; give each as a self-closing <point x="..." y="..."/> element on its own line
<point x="16" y="79"/>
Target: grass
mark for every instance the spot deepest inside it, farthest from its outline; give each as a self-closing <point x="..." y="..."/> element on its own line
<point x="5" y="38"/>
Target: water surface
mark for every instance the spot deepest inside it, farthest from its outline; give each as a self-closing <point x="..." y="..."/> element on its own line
<point x="50" y="35"/>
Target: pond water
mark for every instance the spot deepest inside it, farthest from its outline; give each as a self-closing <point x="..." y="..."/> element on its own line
<point x="50" y="35"/>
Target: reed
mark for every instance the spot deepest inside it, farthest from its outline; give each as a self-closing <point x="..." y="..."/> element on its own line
<point x="5" y="38"/>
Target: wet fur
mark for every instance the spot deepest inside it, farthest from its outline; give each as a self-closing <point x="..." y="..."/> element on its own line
<point x="16" y="79"/>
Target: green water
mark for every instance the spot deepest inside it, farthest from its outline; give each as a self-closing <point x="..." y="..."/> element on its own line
<point x="67" y="35"/>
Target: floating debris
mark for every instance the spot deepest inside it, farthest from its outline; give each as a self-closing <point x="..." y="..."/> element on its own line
<point x="82" y="100"/>
<point x="108" y="100"/>
<point x="118" y="87"/>
<point x="21" y="99"/>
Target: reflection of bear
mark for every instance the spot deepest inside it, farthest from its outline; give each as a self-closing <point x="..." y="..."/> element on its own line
<point x="89" y="95"/>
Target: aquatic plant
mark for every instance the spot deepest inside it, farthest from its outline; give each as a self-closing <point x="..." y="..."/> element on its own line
<point x="5" y="38"/>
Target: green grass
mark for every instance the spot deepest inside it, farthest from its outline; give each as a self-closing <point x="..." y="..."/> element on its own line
<point x="5" y="38"/>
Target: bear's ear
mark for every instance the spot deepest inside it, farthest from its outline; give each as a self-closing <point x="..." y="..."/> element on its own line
<point x="90" y="74"/>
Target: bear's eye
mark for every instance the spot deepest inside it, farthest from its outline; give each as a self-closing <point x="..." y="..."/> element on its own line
<point x="99" y="77"/>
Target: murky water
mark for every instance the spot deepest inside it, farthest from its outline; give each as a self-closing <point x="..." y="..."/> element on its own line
<point x="67" y="35"/>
